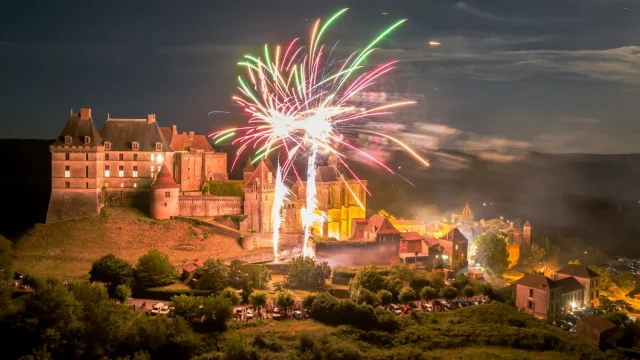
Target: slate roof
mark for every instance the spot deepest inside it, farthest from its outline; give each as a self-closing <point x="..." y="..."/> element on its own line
<point x="261" y="172"/>
<point x="386" y="228"/>
<point x="167" y="132"/>
<point x="568" y="285"/>
<point x="536" y="281"/>
<point x="78" y="129"/>
<point x="122" y="132"/>
<point x="249" y="166"/>
<point x="164" y="180"/>
<point x="455" y="236"/>
<point x="598" y="323"/>
<point x="185" y="142"/>
<point x="578" y="271"/>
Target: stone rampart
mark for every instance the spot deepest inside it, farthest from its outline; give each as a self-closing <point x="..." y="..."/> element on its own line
<point x="71" y="204"/>
<point x="210" y="205"/>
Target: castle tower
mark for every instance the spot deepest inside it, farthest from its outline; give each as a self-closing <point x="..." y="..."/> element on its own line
<point x="259" y="192"/>
<point x="526" y="233"/>
<point x="164" y="196"/>
<point x="248" y="170"/>
<point x="76" y="170"/>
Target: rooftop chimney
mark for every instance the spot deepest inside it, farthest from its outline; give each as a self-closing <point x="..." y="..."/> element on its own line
<point x="191" y="133"/>
<point x="511" y="223"/>
<point x="151" y="118"/>
<point x="85" y="114"/>
<point x="174" y="129"/>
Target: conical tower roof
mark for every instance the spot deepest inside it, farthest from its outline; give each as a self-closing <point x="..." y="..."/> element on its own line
<point x="164" y="180"/>
<point x="249" y="167"/>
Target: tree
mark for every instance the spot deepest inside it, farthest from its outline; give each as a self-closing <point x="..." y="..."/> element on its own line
<point x="460" y="282"/>
<point x="406" y="294"/>
<point x="364" y="296"/>
<point x="6" y="255"/>
<point x="417" y="283"/>
<point x="154" y="269"/>
<point x="307" y="301"/>
<point x="436" y="279"/>
<point x="491" y="251"/>
<point x="248" y="276"/>
<point x="187" y="307"/>
<point x="304" y="272"/>
<point x="231" y="294"/>
<point x="214" y="275"/>
<point x="88" y="294"/>
<point x="216" y="310"/>
<point x="448" y="292"/>
<point x="122" y="293"/>
<point x="402" y="272"/>
<point x="537" y="253"/>
<point x="285" y="300"/>
<point x="112" y="270"/>
<point x="428" y="293"/>
<point x="385" y="297"/>
<point x="393" y="285"/>
<point x="258" y="299"/>
<point x="369" y="278"/>
<point x="468" y="291"/>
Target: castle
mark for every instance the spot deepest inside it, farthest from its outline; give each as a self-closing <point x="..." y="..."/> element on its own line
<point x="135" y="162"/>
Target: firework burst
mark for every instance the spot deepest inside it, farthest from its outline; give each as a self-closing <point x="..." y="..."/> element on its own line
<point x="297" y="98"/>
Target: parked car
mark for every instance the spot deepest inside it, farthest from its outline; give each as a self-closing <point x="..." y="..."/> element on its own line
<point x="395" y="309"/>
<point x="463" y="303"/>
<point x="157" y="308"/>
<point x="405" y="309"/>
<point x="570" y="319"/>
<point x="476" y="302"/>
<point x="427" y="307"/>
<point x="572" y="329"/>
<point x="622" y="302"/>
<point x="298" y="315"/>
<point x="277" y="314"/>
<point x="580" y="314"/>
<point x="249" y="314"/>
<point x="558" y="322"/>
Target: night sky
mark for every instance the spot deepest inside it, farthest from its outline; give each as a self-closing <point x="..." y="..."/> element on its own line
<point x="554" y="76"/>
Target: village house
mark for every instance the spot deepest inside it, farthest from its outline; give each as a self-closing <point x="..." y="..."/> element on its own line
<point x="450" y="248"/>
<point x="599" y="332"/>
<point x="585" y="276"/>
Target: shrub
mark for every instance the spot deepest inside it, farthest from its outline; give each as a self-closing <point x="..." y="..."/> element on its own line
<point x="112" y="270"/>
<point x="428" y="293"/>
<point x="419" y="283"/>
<point x="468" y="291"/>
<point x="385" y="297"/>
<point x="406" y="294"/>
<point x="364" y="296"/>
<point x="307" y="301"/>
<point x="224" y="188"/>
<point x="285" y="300"/>
<point x="304" y="272"/>
<point x="154" y="269"/>
<point x="449" y="292"/>
<point x="369" y="278"/>
<point x="257" y="299"/>
<point x="232" y="294"/>
<point x="122" y="293"/>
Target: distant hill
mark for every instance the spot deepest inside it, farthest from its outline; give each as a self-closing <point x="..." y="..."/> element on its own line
<point x="595" y="197"/>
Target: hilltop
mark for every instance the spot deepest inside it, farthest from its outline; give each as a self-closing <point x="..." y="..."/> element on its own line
<point x="68" y="248"/>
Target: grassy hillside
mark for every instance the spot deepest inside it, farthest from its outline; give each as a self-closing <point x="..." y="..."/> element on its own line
<point x="68" y="248"/>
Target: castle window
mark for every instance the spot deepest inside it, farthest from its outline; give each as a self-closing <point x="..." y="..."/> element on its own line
<point x="66" y="156"/>
<point x="106" y="171"/>
<point x="67" y="140"/>
<point x="106" y="185"/>
<point x="121" y="184"/>
<point x="456" y="247"/>
<point x="86" y="156"/>
<point x="158" y="146"/>
<point x="135" y="185"/>
<point x="135" y="157"/>
<point x="120" y="157"/>
<point x="107" y="145"/>
<point x="106" y="157"/>
<point x="86" y="185"/>
<point x="87" y="140"/>
<point x="67" y="184"/>
<point x="134" y="145"/>
<point x="86" y="171"/>
<point x="67" y="172"/>
<point x="167" y="194"/>
<point x="135" y="171"/>
<point x="153" y="157"/>
<point x="121" y="171"/>
<point x="152" y="170"/>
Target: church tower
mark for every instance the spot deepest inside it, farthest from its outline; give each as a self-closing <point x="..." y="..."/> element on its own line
<point x="248" y="170"/>
<point x="526" y="233"/>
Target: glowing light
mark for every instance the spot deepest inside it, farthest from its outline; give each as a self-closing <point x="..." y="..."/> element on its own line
<point x="434" y="43"/>
<point x="160" y="158"/>
<point x="281" y="193"/>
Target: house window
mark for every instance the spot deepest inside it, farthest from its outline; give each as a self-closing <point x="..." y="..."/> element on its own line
<point x="106" y="171"/>
<point x="158" y="146"/>
<point x="531" y="305"/>
<point x="153" y="157"/>
<point x="87" y="140"/>
<point x="135" y="171"/>
<point x="86" y="171"/>
<point x="120" y="157"/>
<point x="456" y="247"/>
<point x="135" y="157"/>
<point x="106" y="185"/>
<point x="67" y="140"/>
<point x="134" y="146"/>
<point x="67" y="172"/>
<point x="530" y="292"/>
<point x="152" y="170"/>
<point x="121" y="171"/>
<point x="67" y="184"/>
<point x="167" y="194"/>
<point x="107" y="145"/>
<point x="135" y="185"/>
<point x="106" y="156"/>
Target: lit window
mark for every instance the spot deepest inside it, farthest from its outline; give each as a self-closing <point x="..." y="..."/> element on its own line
<point x="158" y="146"/>
<point x="67" y="172"/>
<point x="134" y="146"/>
<point x="135" y="171"/>
<point x="107" y="145"/>
<point x="167" y="194"/>
<point x="66" y="156"/>
<point x="106" y="185"/>
<point x="135" y="157"/>
<point x="106" y="156"/>
<point x="87" y="140"/>
<point x="67" y="184"/>
<point x="135" y="185"/>
<point x="456" y="247"/>
<point x="120" y="156"/>
<point x="121" y="171"/>
<point x="153" y="157"/>
<point x="152" y="170"/>
<point x="106" y="171"/>
<point x="67" y="140"/>
<point x="121" y="184"/>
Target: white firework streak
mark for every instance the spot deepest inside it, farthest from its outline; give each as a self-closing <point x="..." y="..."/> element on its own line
<point x="308" y="213"/>
<point x="281" y="193"/>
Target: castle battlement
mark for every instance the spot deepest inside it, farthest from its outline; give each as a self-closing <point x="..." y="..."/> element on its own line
<point x="211" y="198"/>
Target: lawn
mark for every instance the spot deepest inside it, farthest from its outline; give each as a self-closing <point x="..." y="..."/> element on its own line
<point x="67" y="249"/>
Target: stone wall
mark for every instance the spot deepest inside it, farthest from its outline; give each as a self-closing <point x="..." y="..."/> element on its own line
<point x="347" y="253"/>
<point x="70" y="204"/>
<point x="210" y="205"/>
<point x="265" y="240"/>
<point x="218" y="229"/>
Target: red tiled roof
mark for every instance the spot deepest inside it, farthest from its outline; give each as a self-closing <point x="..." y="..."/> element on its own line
<point x="578" y="271"/>
<point x="261" y="172"/>
<point x="412" y="235"/>
<point x="386" y="228"/>
<point x="430" y="241"/>
<point x="187" y="142"/>
<point x="454" y="235"/>
<point x="164" y="180"/>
